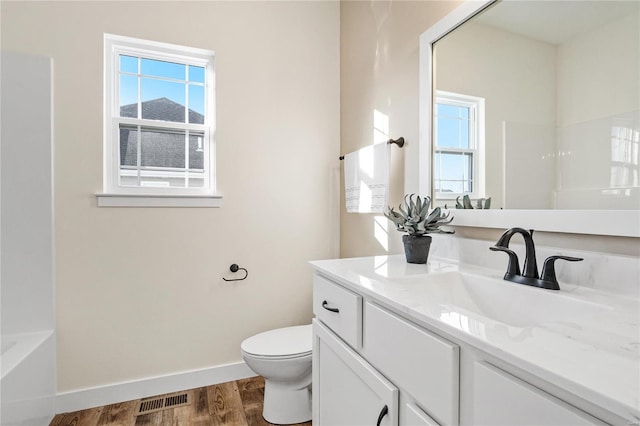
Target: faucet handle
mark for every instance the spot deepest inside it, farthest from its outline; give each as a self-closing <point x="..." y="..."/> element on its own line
<point x="513" y="267"/>
<point x="549" y="268"/>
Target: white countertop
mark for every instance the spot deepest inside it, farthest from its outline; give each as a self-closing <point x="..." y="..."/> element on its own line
<point x="596" y="357"/>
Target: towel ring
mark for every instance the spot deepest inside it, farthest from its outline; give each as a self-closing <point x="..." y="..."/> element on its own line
<point x="235" y="268"/>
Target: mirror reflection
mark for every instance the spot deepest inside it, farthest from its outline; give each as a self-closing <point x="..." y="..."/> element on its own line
<point x="537" y="105"/>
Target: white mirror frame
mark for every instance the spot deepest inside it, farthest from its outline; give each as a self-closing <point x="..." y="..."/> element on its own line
<point x="418" y="161"/>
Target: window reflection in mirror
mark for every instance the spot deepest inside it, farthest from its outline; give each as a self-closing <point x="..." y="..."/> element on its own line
<point x="459" y="146"/>
<point x="560" y="83"/>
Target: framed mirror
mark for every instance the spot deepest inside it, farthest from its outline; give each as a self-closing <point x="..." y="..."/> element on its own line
<point x="536" y="105"/>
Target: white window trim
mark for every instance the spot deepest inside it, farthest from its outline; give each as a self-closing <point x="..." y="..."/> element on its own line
<point x="476" y="106"/>
<point x="115" y="195"/>
<point x="136" y="200"/>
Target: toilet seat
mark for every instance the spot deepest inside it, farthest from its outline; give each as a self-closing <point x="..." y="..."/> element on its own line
<point x="281" y="343"/>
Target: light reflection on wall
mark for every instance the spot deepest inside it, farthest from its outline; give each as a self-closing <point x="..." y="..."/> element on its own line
<point x="380" y="127"/>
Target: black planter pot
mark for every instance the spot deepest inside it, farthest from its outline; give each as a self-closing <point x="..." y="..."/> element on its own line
<point x="416" y="248"/>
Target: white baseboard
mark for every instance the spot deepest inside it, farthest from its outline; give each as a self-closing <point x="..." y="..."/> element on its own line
<point x="127" y="391"/>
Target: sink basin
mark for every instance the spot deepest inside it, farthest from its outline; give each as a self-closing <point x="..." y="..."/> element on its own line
<point x="509" y="303"/>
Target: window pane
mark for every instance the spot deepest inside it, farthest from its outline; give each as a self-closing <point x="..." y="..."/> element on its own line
<point x="463" y="112"/>
<point x="196" y="151"/>
<point x="162" y="148"/>
<point x="163" y="100"/>
<point x="128" y="96"/>
<point x="446" y="186"/>
<point x="128" y="145"/>
<point x="453" y="172"/>
<point x="196" y="74"/>
<point x="464" y="134"/>
<point x="163" y="69"/>
<point x="448" y="133"/>
<point x="128" y="175"/>
<point x="196" y="104"/>
<point x="128" y="64"/>
<point x="455" y="166"/>
<point x="447" y="110"/>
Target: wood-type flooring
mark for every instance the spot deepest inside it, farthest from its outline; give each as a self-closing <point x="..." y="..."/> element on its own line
<point x="232" y="403"/>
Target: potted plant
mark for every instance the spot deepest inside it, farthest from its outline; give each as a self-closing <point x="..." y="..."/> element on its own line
<point x="416" y="220"/>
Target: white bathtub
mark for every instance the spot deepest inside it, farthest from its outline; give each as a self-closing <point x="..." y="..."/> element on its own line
<point x="27" y="384"/>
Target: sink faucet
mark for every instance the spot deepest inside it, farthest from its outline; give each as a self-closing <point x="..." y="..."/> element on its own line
<point x="530" y="265"/>
<point x="530" y="276"/>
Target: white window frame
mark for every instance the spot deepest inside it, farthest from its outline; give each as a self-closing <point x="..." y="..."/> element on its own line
<point x="476" y="142"/>
<point x="119" y="195"/>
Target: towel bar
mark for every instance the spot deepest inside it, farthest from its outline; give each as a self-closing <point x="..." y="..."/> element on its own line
<point x="399" y="142"/>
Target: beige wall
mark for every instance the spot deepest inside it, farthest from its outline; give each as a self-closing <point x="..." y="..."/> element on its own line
<point x="379" y="70"/>
<point x="140" y="291"/>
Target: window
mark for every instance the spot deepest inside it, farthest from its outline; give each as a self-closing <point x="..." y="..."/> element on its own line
<point x="459" y="146"/>
<point x="159" y="119"/>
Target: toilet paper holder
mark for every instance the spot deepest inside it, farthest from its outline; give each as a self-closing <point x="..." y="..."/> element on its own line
<point x="235" y="268"/>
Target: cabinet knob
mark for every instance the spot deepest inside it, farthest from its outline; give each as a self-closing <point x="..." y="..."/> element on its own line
<point x="383" y="413"/>
<point x="325" y="305"/>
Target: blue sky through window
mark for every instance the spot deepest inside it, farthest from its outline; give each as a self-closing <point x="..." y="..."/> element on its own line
<point x="453" y="126"/>
<point x="154" y="88"/>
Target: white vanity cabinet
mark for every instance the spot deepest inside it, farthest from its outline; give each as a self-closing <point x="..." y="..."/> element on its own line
<point x="365" y="357"/>
<point x="368" y="356"/>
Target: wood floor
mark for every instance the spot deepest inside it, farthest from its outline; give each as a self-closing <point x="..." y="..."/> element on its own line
<point x="231" y="403"/>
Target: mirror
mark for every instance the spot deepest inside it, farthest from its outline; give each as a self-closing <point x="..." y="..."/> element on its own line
<point x="536" y="105"/>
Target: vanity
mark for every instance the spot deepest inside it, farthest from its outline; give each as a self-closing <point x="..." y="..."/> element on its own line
<point x="451" y="343"/>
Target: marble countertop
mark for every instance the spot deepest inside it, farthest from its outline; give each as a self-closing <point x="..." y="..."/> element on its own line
<point x="595" y="356"/>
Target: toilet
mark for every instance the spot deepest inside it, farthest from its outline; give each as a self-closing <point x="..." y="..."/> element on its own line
<point x="283" y="358"/>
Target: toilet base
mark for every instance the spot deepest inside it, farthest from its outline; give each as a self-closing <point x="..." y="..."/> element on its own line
<point x="284" y="405"/>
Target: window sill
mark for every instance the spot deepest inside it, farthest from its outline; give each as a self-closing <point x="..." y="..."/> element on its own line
<point x="138" y="200"/>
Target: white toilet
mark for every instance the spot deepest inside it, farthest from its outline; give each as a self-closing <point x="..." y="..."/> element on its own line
<point x="283" y="358"/>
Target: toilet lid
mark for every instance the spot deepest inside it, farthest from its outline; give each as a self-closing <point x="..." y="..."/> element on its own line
<point x="280" y="342"/>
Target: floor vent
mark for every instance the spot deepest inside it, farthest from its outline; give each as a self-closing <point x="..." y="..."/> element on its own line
<point x="164" y="402"/>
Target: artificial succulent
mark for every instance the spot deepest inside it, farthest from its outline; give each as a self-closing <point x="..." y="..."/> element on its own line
<point x="481" y="203"/>
<point x="415" y="218"/>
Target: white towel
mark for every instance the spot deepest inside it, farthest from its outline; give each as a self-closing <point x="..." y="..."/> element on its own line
<point x="366" y="179"/>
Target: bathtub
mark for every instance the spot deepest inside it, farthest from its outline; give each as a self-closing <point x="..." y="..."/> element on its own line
<point x="27" y="384"/>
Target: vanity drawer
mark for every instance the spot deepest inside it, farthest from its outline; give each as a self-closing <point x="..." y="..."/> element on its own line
<point x="426" y="365"/>
<point x="340" y="309"/>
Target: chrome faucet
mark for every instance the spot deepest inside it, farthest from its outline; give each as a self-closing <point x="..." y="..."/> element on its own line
<point x="530" y="276"/>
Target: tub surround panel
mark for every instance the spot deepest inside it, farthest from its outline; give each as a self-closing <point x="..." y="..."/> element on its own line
<point x="28" y="383"/>
<point x="27" y="194"/>
<point x="570" y="354"/>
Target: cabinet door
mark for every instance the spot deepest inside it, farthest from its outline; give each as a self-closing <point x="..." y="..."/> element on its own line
<point x="502" y="399"/>
<point x="347" y="390"/>
<point x="412" y="415"/>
